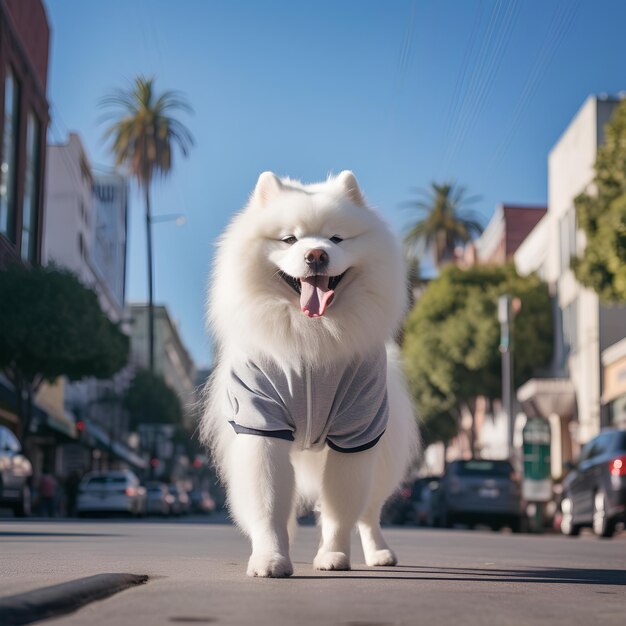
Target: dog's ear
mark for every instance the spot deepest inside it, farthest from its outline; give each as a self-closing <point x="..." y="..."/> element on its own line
<point x="350" y="187"/>
<point x="267" y="187"/>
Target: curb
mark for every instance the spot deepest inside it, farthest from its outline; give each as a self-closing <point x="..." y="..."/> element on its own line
<point x="47" y="602"/>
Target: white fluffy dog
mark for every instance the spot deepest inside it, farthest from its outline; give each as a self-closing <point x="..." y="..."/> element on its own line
<point x="307" y="403"/>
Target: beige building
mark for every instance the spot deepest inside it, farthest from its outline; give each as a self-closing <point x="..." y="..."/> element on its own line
<point x="571" y="397"/>
<point x="614" y="377"/>
<point x="171" y="358"/>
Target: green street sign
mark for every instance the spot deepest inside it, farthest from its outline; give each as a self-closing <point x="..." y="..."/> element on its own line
<point x="537" y="483"/>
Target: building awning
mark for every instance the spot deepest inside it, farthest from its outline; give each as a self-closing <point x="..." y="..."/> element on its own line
<point x="62" y="426"/>
<point x="41" y="416"/>
<point x="542" y="397"/>
<point x="117" y="448"/>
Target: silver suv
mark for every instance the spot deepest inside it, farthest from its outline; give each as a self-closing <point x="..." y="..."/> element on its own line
<point x="15" y="472"/>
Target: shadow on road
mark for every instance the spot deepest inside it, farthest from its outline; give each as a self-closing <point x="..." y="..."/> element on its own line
<point x="562" y="576"/>
<point x="11" y="533"/>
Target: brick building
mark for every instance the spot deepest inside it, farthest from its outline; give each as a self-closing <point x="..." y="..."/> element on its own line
<point x="24" y="42"/>
<point x="507" y="229"/>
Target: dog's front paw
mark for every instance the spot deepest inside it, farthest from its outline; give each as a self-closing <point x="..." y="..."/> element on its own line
<point x="328" y="561"/>
<point x="381" y="557"/>
<point x="273" y="565"/>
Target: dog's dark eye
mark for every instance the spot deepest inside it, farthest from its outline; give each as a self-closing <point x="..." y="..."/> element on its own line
<point x="290" y="239"/>
<point x="336" y="239"/>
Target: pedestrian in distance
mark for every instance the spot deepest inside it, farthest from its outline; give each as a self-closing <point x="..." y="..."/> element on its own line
<point x="47" y="495"/>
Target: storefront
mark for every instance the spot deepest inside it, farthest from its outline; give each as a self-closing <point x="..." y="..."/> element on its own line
<point x="554" y="400"/>
<point x="614" y="385"/>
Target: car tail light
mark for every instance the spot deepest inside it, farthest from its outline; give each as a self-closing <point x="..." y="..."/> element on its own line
<point x="131" y="491"/>
<point x="405" y="493"/>
<point x="617" y="466"/>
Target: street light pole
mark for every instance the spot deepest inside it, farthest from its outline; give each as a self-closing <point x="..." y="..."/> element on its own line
<point x="506" y="349"/>
<point x="150" y="283"/>
<point x="180" y="219"/>
<point x="507" y="309"/>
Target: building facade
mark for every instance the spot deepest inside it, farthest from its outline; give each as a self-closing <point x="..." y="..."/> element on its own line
<point x="171" y="358"/>
<point x="86" y="223"/>
<point x="507" y="229"/>
<point x="86" y="232"/>
<point x="614" y="378"/>
<point x="24" y="41"/>
<point x="110" y="208"/>
<point x="572" y="397"/>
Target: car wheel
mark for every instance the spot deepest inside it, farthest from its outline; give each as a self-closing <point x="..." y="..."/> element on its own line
<point x="602" y="525"/>
<point x="23" y="507"/>
<point x="567" y="522"/>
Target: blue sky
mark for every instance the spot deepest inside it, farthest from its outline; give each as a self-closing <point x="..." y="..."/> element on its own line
<point x="402" y="92"/>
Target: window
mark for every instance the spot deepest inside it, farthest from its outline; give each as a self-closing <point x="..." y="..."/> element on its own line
<point x="480" y="468"/>
<point x="81" y="246"/>
<point x="7" y="166"/>
<point x="567" y="238"/>
<point x="8" y="441"/>
<point x="31" y="190"/>
<point x="570" y="328"/>
<point x="586" y="451"/>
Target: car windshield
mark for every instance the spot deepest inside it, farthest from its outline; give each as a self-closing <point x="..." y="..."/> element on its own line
<point x="481" y="468"/>
<point x="107" y="480"/>
<point x="618" y="442"/>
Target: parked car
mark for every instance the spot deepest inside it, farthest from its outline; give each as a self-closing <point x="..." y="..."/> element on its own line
<point x="15" y="474"/>
<point x="159" y="501"/>
<point x="111" y="492"/>
<point x="594" y="490"/>
<point x="412" y="503"/>
<point x="481" y="491"/>
<point x="201" y="501"/>
<point x="426" y="501"/>
<point x="399" y="508"/>
<point x="180" y="504"/>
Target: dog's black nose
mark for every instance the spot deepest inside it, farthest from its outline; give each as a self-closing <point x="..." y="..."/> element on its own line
<point x="316" y="258"/>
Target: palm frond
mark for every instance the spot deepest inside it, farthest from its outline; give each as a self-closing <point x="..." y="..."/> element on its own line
<point x="444" y="222"/>
<point x="143" y="128"/>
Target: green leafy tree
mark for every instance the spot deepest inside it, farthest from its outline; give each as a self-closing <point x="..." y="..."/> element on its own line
<point x="601" y="213"/>
<point x="452" y="336"/>
<point x="51" y="326"/>
<point x="149" y="400"/>
<point x="444" y="220"/>
<point x="144" y="134"/>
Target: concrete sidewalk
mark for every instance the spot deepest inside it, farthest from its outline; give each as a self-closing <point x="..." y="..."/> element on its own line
<point x="197" y="575"/>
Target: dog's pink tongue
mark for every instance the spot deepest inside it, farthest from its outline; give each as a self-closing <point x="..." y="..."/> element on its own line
<point x="315" y="295"/>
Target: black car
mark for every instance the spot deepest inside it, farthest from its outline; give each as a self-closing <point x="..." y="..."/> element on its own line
<point x="594" y="490"/>
<point x="412" y="503"/>
<point x="480" y="491"/>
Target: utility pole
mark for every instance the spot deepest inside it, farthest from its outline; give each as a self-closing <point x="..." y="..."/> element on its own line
<point x="507" y="309"/>
<point x="180" y="220"/>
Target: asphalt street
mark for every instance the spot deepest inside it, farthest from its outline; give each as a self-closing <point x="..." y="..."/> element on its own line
<point x="196" y="575"/>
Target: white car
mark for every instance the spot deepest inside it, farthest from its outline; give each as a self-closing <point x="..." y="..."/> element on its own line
<point x="111" y="492"/>
<point x="159" y="501"/>
<point x="15" y="472"/>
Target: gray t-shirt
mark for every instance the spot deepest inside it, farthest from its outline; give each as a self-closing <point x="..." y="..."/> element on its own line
<point x="344" y="405"/>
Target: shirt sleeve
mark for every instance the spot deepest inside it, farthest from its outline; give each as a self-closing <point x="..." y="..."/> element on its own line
<point x="257" y="408"/>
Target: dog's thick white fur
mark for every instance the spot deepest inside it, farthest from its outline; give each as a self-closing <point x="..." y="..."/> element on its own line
<point x="254" y="314"/>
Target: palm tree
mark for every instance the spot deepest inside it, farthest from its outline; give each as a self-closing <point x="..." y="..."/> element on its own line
<point x="444" y="222"/>
<point x="144" y="133"/>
